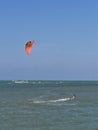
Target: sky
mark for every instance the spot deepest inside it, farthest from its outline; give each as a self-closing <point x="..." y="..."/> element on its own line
<point x="65" y="34"/>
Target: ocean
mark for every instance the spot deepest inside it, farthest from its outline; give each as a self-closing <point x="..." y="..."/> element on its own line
<point x="43" y="105"/>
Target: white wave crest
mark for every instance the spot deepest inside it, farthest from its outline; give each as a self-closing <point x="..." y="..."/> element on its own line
<point x="20" y="81"/>
<point x="54" y="101"/>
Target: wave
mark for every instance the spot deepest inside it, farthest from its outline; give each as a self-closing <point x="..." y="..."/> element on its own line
<point x="54" y="101"/>
<point x="20" y="81"/>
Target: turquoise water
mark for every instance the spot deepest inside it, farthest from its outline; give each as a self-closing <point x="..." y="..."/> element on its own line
<point x="27" y="105"/>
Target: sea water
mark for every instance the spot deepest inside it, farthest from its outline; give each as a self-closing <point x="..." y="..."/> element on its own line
<point x="40" y="105"/>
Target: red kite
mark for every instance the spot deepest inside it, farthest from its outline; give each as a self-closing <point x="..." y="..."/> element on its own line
<point x="28" y="47"/>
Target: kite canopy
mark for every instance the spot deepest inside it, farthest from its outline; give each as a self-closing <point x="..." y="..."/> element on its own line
<point x="28" y="46"/>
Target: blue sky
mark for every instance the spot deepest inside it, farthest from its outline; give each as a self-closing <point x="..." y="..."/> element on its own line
<point x="66" y="36"/>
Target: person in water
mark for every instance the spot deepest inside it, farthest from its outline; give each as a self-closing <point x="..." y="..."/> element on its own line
<point x="73" y="97"/>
